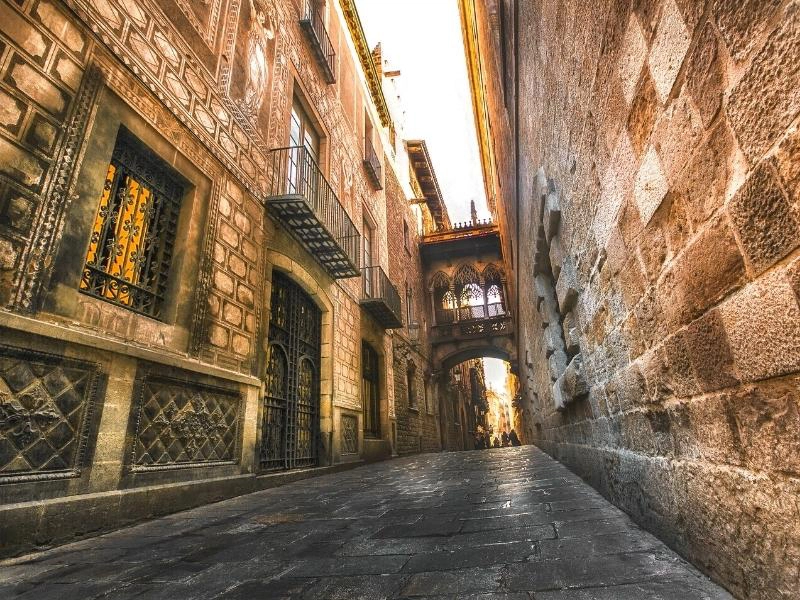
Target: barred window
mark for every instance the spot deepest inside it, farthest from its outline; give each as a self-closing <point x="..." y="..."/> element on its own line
<point x="133" y="236"/>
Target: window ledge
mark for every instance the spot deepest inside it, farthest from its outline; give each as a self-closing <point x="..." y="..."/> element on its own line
<point x="55" y="330"/>
<point x="414" y="409"/>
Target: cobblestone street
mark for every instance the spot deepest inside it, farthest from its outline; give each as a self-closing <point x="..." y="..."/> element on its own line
<point x="506" y="524"/>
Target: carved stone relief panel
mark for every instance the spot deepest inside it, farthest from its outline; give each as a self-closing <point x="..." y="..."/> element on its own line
<point x="250" y="82"/>
<point x="46" y="403"/>
<point x="182" y="423"/>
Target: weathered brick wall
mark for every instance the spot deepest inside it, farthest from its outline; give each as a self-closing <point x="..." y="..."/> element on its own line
<point x="417" y="427"/>
<point x="666" y="133"/>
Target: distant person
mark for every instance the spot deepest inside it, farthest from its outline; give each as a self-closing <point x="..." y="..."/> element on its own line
<point x="506" y="440"/>
<point x="496" y="442"/>
<point x="487" y="439"/>
<point x="480" y="443"/>
<point x="514" y="438"/>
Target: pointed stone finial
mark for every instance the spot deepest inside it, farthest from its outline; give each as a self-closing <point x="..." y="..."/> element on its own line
<point x="473" y="211"/>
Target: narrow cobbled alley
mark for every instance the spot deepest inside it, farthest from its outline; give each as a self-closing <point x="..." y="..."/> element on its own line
<point x="506" y="524"/>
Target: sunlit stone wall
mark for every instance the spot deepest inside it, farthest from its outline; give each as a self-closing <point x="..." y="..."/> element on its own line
<point x="658" y="197"/>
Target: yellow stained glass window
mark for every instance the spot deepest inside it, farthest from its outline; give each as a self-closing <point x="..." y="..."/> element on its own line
<point x="130" y="247"/>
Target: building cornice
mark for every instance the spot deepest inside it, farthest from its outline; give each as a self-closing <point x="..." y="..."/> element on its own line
<point x="480" y="107"/>
<point x="422" y="166"/>
<point x="365" y="56"/>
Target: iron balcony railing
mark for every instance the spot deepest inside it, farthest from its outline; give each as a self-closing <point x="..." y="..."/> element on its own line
<point x="313" y="23"/>
<point x="381" y="298"/>
<point x="445" y="316"/>
<point x="373" y="165"/>
<point x="301" y="197"/>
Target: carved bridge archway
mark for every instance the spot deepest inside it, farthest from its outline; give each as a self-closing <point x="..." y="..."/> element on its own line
<point x="467" y="291"/>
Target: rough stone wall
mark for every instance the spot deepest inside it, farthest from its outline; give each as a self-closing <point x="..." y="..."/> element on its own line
<point x="666" y="133"/>
<point x="417" y="426"/>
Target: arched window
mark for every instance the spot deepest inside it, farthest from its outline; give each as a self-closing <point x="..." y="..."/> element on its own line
<point x="468" y="293"/>
<point x="493" y="284"/>
<point x="443" y="299"/>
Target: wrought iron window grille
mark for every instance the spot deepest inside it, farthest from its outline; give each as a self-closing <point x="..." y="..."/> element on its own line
<point x="134" y="231"/>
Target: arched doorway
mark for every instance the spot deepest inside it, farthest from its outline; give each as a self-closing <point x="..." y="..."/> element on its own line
<point x="290" y="426"/>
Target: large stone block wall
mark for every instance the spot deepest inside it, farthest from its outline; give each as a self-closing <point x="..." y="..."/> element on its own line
<point x="667" y="133"/>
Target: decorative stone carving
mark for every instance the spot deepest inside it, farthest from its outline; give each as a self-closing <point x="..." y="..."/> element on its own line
<point x="45" y="408"/>
<point x="47" y="224"/>
<point x="178" y="423"/>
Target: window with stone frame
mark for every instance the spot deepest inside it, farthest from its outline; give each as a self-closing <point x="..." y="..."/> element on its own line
<point x="411" y="385"/>
<point x="133" y="236"/>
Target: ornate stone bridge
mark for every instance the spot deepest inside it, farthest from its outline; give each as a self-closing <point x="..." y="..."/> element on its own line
<point x="467" y="290"/>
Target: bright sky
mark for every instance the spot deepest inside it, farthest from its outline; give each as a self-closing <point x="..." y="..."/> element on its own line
<point x="495" y="370"/>
<point x="422" y="39"/>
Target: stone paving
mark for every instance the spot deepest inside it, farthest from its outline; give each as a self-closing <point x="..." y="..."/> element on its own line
<point x="501" y="524"/>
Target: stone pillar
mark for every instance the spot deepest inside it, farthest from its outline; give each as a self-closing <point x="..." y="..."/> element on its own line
<point x="109" y="454"/>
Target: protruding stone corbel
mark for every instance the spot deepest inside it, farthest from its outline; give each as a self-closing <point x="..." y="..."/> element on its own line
<point x="552" y="338"/>
<point x="556" y="256"/>
<point x="551" y="218"/>
<point x="571" y="334"/>
<point x="557" y="363"/>
<point x="571" y="385"/>
<point x="567" y="286"/>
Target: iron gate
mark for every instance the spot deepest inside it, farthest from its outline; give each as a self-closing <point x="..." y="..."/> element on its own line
<point x="290" y="429"/>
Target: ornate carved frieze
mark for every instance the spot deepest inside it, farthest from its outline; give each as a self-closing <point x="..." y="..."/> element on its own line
<point x="46" y="405"/>
<point x="179" y="423"/>
<point x="141" y="35"/>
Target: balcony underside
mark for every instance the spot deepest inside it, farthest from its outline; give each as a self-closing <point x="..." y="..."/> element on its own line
<point x="382" y="313"/>
<point x="299" y="218"/>
<point x="374" y="175"/>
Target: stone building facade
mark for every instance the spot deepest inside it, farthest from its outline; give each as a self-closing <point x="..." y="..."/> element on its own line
<point x="655" y="225"/>
<point x="188" y="194"/>
<point x="416" y="410"/>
